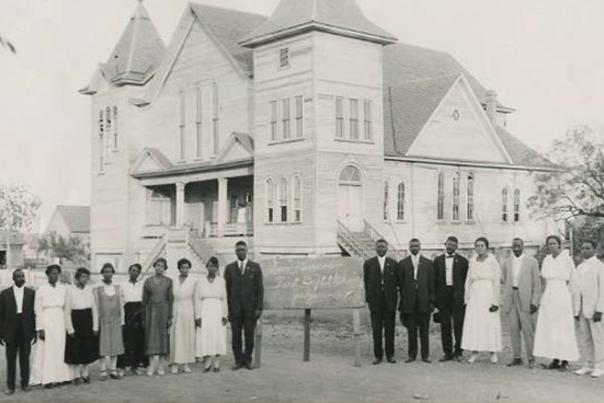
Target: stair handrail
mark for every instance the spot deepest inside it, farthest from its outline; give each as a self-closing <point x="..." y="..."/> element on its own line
<point x="348" y="237"/>
<point x="374" y="234"/>
<point x="201" y="248"/>
<point x="158" y="248"/>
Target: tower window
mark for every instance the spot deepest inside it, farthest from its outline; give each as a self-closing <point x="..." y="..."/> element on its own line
<point x="283" y="198"/>
<point x="299" y="116"/>
<point x="368" y="119"/>
<point x="286" y="118"/>
<point x="298" y="199"/>
<point x="339" y="117"/>
<point x="354" y="119"/>
<point x="273" y="107"/>
<point x="284" y="57"/>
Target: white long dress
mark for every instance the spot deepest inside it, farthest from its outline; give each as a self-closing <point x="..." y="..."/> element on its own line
<point x="182" y="332"/>
<point x="555" y="334"/>
<point x="481" y="328"/>
<point x="211" y="307"/>
<point x="48" y="365"/>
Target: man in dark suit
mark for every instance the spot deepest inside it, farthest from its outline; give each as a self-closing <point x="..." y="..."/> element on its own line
<point x="17" y="329"/>
<point x="245" y="296"/>
<point x="381" y="294"/>
<point x="416" y="284"/>
<point x="450" y="272"/>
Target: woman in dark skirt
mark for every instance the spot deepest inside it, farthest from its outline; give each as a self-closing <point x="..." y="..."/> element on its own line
<point x="157" y="303"/>
<point x="82" y="323"/>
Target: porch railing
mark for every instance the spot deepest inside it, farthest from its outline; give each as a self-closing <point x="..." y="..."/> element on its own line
<point x="230" y="229"/>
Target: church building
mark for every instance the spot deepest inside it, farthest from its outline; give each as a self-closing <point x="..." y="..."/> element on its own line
<point x="309" y="132"/>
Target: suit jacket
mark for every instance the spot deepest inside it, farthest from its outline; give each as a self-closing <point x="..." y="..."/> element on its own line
<point x="244" y="292"/>
<point x="378" y="297"/>
<point x="529" y="284"/>
<point x="460" y="272"/>
<point x="587" y="286"/>
<point x="418" y="298"/>
<point x="8" y="315"/>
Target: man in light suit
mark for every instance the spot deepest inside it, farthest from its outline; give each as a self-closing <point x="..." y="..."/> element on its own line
<point x="588" y="303"/>
<point x="416" y="285"/>
<point x="380" y="274"/>
<point x="521" y="296"/>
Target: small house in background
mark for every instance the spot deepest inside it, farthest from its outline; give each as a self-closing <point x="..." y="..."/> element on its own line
<point x="71" y="221"/>
<point x="11" y="250"/>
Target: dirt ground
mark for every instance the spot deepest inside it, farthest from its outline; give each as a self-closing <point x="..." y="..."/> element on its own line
<point x="331" y="377"/>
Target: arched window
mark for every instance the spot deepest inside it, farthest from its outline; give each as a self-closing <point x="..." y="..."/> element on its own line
<point x="350" y="176"/>
<point x="516" y="205"/>
<point x="115" y="127"/>
<point x="456" y="198"/>
<point x="283" y="198"/>
<point x="504" y="204"/>
<point x="440" y="202"/>
<point x="470" y="198"/>
<point x="101" y="140"/>
<point x="400" y="204"/>
<point x="270" y="200"/>
<point x="297" y="198"/>
<point x="386" y="195"/>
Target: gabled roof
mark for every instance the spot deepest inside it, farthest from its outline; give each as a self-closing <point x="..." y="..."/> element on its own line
<point x="521" y="153"/>
<point x="340" y="17"/>
<point x="77" y="218"/>
<point x="159" y="159"/>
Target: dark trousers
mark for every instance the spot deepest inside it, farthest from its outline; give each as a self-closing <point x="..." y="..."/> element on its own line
<point x="244" y="325"/>
<point x="21" y="349"/>
<point x="417" y="322"/>
<point x="134" y="338"/>
<point x="451" y="321"/>
<point x="382" y="324"/>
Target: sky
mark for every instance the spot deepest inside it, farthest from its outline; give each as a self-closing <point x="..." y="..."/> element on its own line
<point x="544" y="58"/>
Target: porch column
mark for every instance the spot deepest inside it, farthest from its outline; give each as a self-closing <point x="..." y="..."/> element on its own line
<point x="223" y="184"/>
<point x="180" y="203"/>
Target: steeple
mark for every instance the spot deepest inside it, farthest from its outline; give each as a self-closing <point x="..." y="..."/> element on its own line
<point x="338" y="17"/>
<point x="138" y="52"/>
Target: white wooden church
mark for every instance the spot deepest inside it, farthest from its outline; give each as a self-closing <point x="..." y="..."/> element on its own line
<point x="309" y="132"/>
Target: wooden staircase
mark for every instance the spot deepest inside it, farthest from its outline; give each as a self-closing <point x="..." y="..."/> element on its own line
<point x="362" y="244"/>
<point x="202" y="248"/>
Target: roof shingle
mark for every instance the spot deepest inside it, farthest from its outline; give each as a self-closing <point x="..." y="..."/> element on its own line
<point x="77" y="218"/>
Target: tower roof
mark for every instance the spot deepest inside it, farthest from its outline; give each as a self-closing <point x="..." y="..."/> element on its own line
<point x="340" y="17"/>
<point x="138" y="52"/>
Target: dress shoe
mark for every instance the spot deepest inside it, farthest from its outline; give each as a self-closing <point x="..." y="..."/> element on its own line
<point x="427" y="360"/>
<point x="564" y="366"/>
<point x="555" y="364"/>
<point x="409" y="360"/>
<point x="596" y="373"/>
<point x="236" y="367"/>
<point x="377" y="361"/>
<point x="583" y="371"/>
<point x="446" y="358"/>
<point x="9" y="392"/>
<point x="391" y="360"/>
<point x="248" y="365"/>
<point x="458" y="357"/>
<point x="86" y="379"/>
<point x="515" y="362"/>
<point x="49" y="386"/>
<point x="25" y="388"/>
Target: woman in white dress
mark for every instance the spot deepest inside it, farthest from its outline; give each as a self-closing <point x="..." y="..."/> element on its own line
<point x="211" y="317"/>
<point x="482" y="323"/>
<point x="555" y="333"/>
<point x="49" y="367"/>
<point x="182" y="332"/>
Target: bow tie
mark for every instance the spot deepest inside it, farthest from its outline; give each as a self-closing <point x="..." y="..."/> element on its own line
<point x="450" y="256"/>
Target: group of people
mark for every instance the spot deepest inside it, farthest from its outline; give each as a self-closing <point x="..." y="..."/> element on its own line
<point x="468" y="297"/>
<point x="130" y="328"/>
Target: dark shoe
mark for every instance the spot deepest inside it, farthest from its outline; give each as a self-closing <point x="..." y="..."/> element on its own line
<point x="25" y="388"/>
<point x="391" y="360"/>
<point x="564" y="366"/>
<point x="248" y="365"/>
<point x="515" y="362"/>
<point x="237" y="366"/>
<point x="446" y="358"/>
<point x="9" y="392"/>
<point x="377" y="361"/>
<point x="409" y="360"/>
<point x="49" y="386"/>
<point x="555" y="364"/>
<point x="216" y="369"/>
<point x="427" y="360"/>
<point x="86" y="379"/>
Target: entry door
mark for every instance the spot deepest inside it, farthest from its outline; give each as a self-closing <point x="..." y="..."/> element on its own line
<point x="350" y="203"/>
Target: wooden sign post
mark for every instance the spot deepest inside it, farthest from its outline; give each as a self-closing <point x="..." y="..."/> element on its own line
<point x="333" y="283"/>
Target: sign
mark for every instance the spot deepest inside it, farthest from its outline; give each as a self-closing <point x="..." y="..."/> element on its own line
<point x="313" y="283"/>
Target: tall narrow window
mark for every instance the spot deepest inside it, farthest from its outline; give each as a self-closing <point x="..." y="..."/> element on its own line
<point x="339" y="117"/>
<point x="108" y="130"/>
<point x="101" y="141"/>
<point x="298" y="199"/>
<point x="299" y="116"/>
<point x="368" y="120"/>
<point x="283" y="198"/>
<point x="440" y="202"/>
<point x="354" y="119"/>
<point x="286" y="118"/>
<point x="273" y="107"/>
<point x="284" y="57"/>
<point x="470" y="198"/>
<point x="270" y="200"/>
<point x="115" y="127"/>
<point x="456" y="198"/>
<point x="504" y="204"/>
<point x="516" y="205"/>
<point x="400" y="205"/>
<point x="181" y="125"/>
<point x="386" y="195"/>
<point x="198" y="122"/>
<point x="215" y="117"/>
